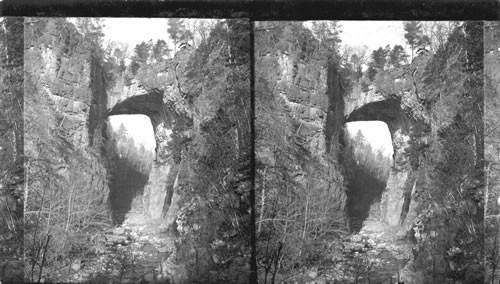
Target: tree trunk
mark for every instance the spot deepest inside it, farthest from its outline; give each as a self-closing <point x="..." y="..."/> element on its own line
<point x="262" y="202"/>
<point x="305" y="214"/>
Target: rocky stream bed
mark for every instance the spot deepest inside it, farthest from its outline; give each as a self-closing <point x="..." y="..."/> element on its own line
<point x="374" y="255"/>
<point x="135" y="252"/>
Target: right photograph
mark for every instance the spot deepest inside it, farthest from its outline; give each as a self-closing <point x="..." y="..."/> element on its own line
<point x="370" y="159"/>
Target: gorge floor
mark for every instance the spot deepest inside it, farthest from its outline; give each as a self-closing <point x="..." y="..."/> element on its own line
<point x="134" y="252"/>
<point x="375" y="254"/>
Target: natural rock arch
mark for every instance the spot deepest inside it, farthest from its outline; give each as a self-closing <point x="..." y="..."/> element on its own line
<point x="395" y="199"/>
<point x="388" y="111"/>
<point x="149" y="104"/>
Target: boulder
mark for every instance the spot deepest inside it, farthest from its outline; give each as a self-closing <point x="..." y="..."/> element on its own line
<point x="118" y="231"/>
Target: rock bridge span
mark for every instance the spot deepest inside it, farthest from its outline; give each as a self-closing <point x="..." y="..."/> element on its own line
<point x="393" y="105"/>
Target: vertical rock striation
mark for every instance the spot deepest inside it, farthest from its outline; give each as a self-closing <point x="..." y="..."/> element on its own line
<point x="65" y="99"/>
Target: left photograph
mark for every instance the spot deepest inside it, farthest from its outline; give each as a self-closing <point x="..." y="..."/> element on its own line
<point x="11" y="150"/>
<point x="137" y="150"/>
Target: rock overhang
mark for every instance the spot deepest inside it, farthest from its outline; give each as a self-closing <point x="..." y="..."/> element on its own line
<point x="388" y="111"/>
<point x="149" y="104"/>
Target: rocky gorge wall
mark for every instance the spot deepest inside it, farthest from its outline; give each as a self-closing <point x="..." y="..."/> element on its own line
<point x="301" y="87"/>
<point x="65" y="89"/>
<point x="66" y="174"/>
<point x="299" y="184"/>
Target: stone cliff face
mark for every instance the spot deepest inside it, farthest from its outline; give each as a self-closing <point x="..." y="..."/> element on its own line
<point x="300" y="188"/>
<point x="301" y="87"/>
<point x="64" y="94"/>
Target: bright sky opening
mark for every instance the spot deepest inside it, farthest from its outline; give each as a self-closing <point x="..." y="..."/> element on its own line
<point x="133" y="31"/>
<point x="138" y="126"/>
<point x="375" y="132"/>
<point x="373" y="34"/>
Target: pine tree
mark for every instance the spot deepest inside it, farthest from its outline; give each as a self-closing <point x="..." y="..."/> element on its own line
<point x="328" y="33"/>
<point x="178" y="32"/>
<point x="92" y="29"/>
<point x="397" y="55"/>
<point x="160" y="49"/>
<point x="414" y="35"/>
<point x="142" y="52"/>
<point x="379" y="57"/>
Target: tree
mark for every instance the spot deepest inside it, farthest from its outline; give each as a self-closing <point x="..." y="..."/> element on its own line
<point x="378" y="62"/>
<point x="359" y="138"/>
<point x="121" y="54"/>
<point x="397" y="55"/>
<point x="414" y="35"/>
<point x="371" y="72"/>
<point x="437" y="32"/>
<point x="142" y="52"/>
<point x="115" y="54"/>
<point x="328" y="33"/>
<point x="353" y="58"/>
<point x="140" y="57"/>
<point x="202" y="29"/>
<point x="160" y="49"/>
<point x="92" y="30"/>
<point x="178" y="31"/>
<point x="379" y="58"/>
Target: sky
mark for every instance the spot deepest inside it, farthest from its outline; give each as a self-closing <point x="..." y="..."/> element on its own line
<point x="376" y="132"/>
<point x="137" y="125"/>
<point x="135" y="30"/>
<point x="373" y="34"/>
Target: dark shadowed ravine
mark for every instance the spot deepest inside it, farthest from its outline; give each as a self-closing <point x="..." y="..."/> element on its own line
<point x="363" y="191"/>
<point x="125" y="183"/>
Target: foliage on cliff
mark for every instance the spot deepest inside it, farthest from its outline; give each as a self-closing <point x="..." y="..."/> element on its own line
<point x="452" y="167"/>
